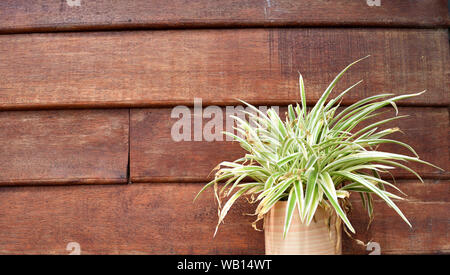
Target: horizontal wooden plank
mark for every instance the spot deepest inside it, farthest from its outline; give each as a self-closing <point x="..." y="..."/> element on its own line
<point x="67" y="15"/>
<point x="166" y="68"/>
<point x="427" y="210"/>
<point x="159" y="218"/>
<point x="63" y="146"/>
<point x="156" y="155"/>
<point x="135" y="219"/>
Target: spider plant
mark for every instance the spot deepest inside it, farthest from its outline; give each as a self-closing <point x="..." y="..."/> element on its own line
<point x="313" y="158"/>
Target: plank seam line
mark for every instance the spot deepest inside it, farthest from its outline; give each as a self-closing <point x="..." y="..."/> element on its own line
<point x="162" y="105"/>
<point x="69" y="29"/>
<point x="129" y="148"/>
<point x="58" y="179"/>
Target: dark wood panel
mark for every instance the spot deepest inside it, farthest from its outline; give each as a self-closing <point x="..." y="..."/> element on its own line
<point x="427" y="210"/>
<point x="63" y="146"/>
<point x="136" y="218"/>
<point x="163" y="68"/>
<point x="63" y="15"/>
<point x="156" y="156"/>
<point x="159" y="218"/>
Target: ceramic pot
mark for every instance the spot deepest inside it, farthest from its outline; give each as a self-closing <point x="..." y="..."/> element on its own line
<point x="322" y="236"/>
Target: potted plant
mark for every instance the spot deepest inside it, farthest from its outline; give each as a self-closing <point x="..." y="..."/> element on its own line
<point x="301" y="171"/>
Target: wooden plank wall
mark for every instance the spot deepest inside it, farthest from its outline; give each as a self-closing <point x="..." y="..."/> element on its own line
<point x="74" y="15"/>
<point x="171" y="67"/>
<point x="64" y="146"/>
<point x="87" y="89"/>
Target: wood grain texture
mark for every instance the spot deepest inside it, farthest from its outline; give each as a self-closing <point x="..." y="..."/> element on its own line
<point x="159" y="218"/>
<point x="39" y="16"/>
<point x="134" y="219"/>
<point x="427" y="210"/>
<point x="166" y="68"/>
<point x="156" y="156"/>
<point x="63" y="146"/>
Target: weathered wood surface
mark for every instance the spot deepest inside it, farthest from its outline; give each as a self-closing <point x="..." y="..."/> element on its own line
<point x="135" y="219"/>
<point x="159" y="218"/>
<point x="156" y="156"/>
<point x="68" y="15"/>
<point x="166" y="68"/>
<point x="427" y="209"/>
<point x="63" y="146"/>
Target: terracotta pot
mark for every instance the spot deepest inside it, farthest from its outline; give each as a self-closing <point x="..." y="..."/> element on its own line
<point x="317" y="238"/>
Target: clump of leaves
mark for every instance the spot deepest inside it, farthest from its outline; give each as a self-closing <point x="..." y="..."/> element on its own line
<point x="313" y="158"/>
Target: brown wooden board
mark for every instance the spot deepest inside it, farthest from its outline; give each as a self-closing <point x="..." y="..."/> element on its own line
<point x="63" y="146"/>
<point x="165" y="68"/>
<point x="68" y="15"/>
<point x="427" y="210"/>
<point x="159" y="218"/>
<point x="156" y="156"/>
